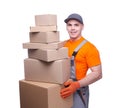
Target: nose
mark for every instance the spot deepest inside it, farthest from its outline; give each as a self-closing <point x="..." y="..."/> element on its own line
<point x="72" y="27"/>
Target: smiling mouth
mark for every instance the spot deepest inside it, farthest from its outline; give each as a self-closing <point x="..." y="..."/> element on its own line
<point x="73" y="33"/>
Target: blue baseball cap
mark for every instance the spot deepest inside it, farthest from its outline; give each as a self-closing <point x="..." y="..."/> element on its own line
<point x="74" y="16"/>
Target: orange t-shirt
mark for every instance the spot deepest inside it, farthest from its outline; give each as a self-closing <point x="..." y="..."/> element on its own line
<point x="87" y="57"/>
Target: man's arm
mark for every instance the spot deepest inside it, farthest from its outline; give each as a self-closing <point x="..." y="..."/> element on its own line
<point x="93" y="76"/>
<point x="72" y="86"/>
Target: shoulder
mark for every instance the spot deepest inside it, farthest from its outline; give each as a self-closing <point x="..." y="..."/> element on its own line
<point x="90" y="51"/>
<point x="66" y="43"/>
<point x="90" y="47"/>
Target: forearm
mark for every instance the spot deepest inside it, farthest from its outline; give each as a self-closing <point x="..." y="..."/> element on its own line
<point x="92" y="77"/>
<point x="89" y="79"/>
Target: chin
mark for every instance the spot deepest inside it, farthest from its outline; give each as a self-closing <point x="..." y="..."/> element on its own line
<point x="73" y="38"/>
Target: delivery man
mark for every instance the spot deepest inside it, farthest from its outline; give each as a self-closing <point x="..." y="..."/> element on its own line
<point x="84" y="55"/>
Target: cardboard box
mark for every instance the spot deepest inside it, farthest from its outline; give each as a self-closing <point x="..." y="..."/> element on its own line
<point x="48" y="55"/>
<point x="42" y="95"/>
<point x="46" y="19"/>
<point x="44" y="37"/>
<point x="53" y="46"/>
<point x="43" y="28"/>
<point x="55" y="72"/>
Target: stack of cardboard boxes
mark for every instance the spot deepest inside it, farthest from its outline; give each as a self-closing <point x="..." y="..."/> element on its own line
<point x="46" y="68"/>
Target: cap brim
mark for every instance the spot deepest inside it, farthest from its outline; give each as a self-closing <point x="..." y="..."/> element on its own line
<point x="68" y="19"/>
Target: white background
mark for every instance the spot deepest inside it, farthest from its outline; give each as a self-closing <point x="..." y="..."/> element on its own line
<point x="102" y="24"/>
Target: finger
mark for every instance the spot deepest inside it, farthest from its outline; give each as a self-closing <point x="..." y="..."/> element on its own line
<point x="66" y="94"/>
<point x="64" y="90"/>
<point x="68" y="82"/>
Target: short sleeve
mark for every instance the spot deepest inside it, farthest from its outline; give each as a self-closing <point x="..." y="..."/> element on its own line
<point x="93" y="56"/>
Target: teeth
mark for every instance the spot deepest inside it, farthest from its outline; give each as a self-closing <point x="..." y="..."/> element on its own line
<point x="73" y="32"/>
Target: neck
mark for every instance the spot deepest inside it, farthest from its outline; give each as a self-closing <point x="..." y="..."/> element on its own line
<point x="75" y="39"/>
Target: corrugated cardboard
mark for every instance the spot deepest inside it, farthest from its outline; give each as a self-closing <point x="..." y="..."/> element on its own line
<point x="43" y="28"/>
<point x="55" y="45"/>
<point x="44" y="37"/>
<point x="55" y="72"/>
<point x="46" y="19"/>
<point x="42" y="95"/>
<point x="48" y="55"/>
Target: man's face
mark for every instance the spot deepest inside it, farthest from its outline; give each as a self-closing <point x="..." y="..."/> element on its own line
<point x="74" y="29"/>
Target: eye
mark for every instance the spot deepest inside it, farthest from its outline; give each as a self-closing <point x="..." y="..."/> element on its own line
<point x="76" y="24"/>
<point x="69" y="24"/>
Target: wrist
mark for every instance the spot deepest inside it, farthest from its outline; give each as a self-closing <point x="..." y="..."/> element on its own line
<point x="77" y="84"/>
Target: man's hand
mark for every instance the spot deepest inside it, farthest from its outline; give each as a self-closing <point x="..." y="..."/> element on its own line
<point x="70" y="88"/>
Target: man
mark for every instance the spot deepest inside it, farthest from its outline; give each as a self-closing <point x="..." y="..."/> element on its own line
<point x="87" y="57"/>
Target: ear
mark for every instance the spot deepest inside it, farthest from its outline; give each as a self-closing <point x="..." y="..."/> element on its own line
<point x="83" y="27"/>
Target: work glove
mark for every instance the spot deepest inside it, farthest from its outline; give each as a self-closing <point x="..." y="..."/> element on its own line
<point x="70" y="88"/>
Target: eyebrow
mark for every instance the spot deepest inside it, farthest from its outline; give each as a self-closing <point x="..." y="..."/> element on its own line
<point x="69" y="24"/>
